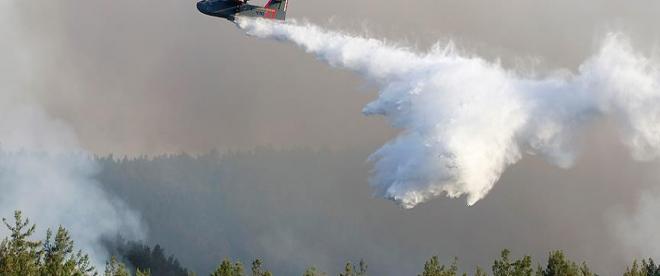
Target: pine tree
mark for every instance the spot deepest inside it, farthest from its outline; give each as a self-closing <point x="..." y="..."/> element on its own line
<point x="137" y="254"/>
<point x="558" y="265"/>
<point x="352" y="270"/>
<point x="115" y="268"/>
<point x="84" y="265"/>
<point x="19" y="255"/>
<point x="507" y="267"/>
<point x="226" y="268"/>
<point x="651" y="268"/>
<point x="59" y="259"/>
<point x="646" y="268"/>
<point x="348" y="270"/>
<point x="257" y="270"/>
<point x="432" y="267"/>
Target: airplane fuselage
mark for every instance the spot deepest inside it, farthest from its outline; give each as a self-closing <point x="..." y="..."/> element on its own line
<point x="230" y="9"/>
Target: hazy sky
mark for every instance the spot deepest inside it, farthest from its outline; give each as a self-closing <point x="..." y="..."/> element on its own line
<point x="147" y="77"/>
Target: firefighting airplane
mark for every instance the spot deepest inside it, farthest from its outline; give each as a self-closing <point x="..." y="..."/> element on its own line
<point x="230" y="9"/>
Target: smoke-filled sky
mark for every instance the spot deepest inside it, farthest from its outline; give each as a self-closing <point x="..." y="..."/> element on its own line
<point x="147" y="77"/>
<point x="144" y="77"/>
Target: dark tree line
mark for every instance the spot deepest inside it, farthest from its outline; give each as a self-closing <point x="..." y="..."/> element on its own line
<point x="20" y="255"/>
<point x="139" y="255"/>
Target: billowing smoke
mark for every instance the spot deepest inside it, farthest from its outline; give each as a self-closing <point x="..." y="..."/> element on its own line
<point x="46" y="175"/>
<point x="464" y="119"/>
<point x="44" y="171"/>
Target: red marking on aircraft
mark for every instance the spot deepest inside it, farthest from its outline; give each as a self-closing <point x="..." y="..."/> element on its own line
<point x="270" y="13"/>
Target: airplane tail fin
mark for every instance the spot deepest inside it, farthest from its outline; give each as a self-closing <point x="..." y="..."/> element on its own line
<point x="280" y="6"/>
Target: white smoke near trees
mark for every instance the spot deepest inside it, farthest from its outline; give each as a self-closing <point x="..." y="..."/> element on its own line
<point x="637" y="229"/>
<point x="45" y="174"/>
<point x="44" y="171"/>
<point x="464" y="120"/>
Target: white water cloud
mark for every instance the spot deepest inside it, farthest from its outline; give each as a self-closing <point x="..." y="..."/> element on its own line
<point x="464" y="120"/>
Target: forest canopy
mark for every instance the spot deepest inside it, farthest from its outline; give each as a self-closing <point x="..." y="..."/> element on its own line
<point x="22" y="255"/>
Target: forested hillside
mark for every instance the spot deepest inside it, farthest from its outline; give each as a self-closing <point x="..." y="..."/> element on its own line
<point x="303" y="212"/>
<point x="301" y="208"/>
<point x="239" y="204"/>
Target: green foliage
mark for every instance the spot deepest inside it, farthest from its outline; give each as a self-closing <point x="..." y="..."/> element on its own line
<point x="558" y="265"/>
<point x="56" y="256"/>
<point x="115" y="268"/>
<point x="312" y="271"/>
<point x="635" y="270"/>
<point x="59" y="258"/>
<point x="646" y="268"/>
<point x="257" y="270"/>
<point x="432" y="267"/>
<point x="227" y="268"/>
<point x="20" y="256"/>
<point x="504" y="266"/>
<point x="650" y="267"/>
<point x="141" y="256"/>
<point x="352" y="270"/>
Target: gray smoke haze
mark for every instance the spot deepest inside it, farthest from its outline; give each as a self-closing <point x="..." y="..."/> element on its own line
<point x="187" y="76"/>
<point x="43" y="170"/>
<point x="637" y="225"/>
<point x="149" y="77"/>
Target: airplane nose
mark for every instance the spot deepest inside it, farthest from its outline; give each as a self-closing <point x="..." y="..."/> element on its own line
<point x="201" y="6"/>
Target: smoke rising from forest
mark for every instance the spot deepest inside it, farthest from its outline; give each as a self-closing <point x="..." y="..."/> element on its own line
<point x="44" y="172"/>
<point x="464" y="120"/>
